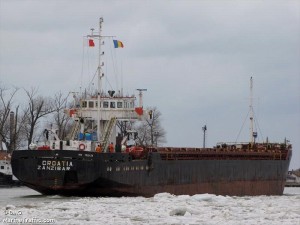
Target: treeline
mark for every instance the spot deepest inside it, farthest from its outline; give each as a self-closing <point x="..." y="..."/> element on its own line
<point x="19" y="122"/>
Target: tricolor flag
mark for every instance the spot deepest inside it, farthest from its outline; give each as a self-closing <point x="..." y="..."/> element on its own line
<point x="118" y="44"/>
<point x="91" y="43"/>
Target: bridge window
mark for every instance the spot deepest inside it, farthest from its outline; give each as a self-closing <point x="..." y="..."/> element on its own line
<point x="131" y="105"/>
<point x="83" y="104"/>
<point x="120" y="104"/>
<point x="105" y="104"/>
<point x="112" y="105"/>
<point x="91" y="104"/>
<point x="96" y="104"/>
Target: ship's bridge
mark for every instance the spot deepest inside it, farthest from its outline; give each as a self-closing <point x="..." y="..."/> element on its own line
<point x="118" y="107"/>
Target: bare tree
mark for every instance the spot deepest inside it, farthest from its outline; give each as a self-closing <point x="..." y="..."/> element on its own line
<point x="61" y="119"/>
<point x="150" y="130"/>
<point x="38" y="107"/>
<point x="11" y="121"/>
<point x="5" y="107"/>
<point x="124" y="126"/>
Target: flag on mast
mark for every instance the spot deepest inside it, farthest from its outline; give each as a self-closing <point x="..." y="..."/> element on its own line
<point x="91" y="43"/>
<point x="118" y="44"/>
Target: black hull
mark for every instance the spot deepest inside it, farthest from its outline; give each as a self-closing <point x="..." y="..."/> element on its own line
<point x="6" y="180"/>
<point x="74" y="173"/>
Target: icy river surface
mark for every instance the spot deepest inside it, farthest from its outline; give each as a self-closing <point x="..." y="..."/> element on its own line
<point x="22" y="205"/>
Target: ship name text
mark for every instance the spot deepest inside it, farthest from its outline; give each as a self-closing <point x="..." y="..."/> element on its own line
<point x="58" y="165"/>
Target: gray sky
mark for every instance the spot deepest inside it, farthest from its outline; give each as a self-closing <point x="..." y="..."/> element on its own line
<point x="194" y="57"/>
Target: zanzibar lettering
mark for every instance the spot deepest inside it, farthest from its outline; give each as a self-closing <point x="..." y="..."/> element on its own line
<point x="55" y="165"/>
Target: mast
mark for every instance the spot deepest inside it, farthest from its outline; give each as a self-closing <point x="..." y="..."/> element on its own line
<point x="100" y="74"/>
<point x="251" y="112"/>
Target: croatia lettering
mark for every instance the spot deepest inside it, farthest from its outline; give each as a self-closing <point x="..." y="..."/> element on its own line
<point x="56" y="165"/>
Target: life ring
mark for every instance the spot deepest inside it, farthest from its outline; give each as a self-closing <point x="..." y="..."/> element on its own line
<point x="82" y="147"/>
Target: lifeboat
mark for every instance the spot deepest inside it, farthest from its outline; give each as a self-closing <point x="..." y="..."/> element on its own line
<point x="43" y="147"/>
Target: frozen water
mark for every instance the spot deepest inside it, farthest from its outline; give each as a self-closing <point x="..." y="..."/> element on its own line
<point x="23" y="204"/>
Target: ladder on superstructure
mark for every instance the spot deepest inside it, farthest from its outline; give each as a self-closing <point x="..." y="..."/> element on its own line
<point x="107" y="134"/>
<point x="75" y="130"/>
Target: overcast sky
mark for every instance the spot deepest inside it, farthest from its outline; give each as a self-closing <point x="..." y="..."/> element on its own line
<point x="194" y="57"/>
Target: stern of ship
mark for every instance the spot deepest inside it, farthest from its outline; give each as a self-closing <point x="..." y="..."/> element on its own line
<point x="61" y="172"/>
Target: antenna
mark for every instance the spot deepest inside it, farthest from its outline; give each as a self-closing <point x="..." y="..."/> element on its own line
<point x="204" y="134"/>
<point x="253" y="134"/>
<point x="141" y="96"/>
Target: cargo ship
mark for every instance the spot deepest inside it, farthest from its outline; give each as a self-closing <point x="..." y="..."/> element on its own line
<point x="95" y="161"/>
